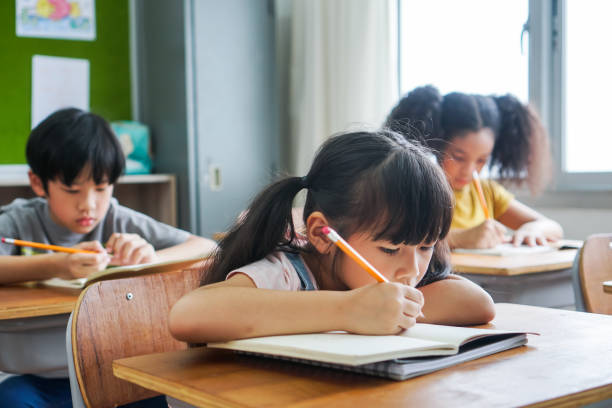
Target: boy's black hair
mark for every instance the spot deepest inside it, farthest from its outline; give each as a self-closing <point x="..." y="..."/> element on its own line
<point x="374" y="182"/>
<point x="69" y="140"/>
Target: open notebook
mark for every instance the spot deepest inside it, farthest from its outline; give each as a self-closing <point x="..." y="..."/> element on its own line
<point x="421" y="349"/>
<point x="125" y="271"/>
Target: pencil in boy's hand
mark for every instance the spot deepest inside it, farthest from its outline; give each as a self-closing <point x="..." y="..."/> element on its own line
<point x="46" y="246"/>
<point x="481" y="198"/>
<point x="347" y="249"/>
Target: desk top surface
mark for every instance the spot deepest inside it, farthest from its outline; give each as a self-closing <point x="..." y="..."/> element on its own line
<point x="569" y="364"/>
<point x="513" y="265"/>
<point x="607" y="286"/>
<point x="30" y="300"/>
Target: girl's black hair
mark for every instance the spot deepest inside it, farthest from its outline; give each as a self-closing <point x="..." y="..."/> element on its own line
<point x="67" y="141"/>
<point x="363" y="181"/>
<point x="521" y="143"/>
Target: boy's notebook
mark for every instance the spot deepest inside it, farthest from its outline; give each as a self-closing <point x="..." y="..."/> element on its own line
<point x="507" y="250"/>
<point x="421" y="349"/>
<point x="125" y="271"/>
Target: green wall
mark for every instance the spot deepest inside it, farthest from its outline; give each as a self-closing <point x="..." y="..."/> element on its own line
<point x="109" y="71"/>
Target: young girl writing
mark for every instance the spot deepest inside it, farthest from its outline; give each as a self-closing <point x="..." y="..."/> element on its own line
<point x="466" y="132"/>
<point x="388" y="200"/>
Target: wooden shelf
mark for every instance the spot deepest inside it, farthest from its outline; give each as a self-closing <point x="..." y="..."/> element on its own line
<point x="151" y="194"/>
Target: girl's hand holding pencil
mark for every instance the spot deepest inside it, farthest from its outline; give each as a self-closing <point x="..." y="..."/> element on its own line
<point x="486" y="235"/>
<point x="381" y="308"/>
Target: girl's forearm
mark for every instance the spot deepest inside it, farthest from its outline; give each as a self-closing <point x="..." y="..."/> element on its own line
<point x="208" y="314"/>
<point x="456" y="301"/>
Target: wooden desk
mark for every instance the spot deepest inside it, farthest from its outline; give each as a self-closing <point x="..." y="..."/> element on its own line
<point x="33" y="323"/>
<point x="543" y="279"/>
<point x="513" y="265"/>
<point x="21" y="301"/>
<point x="607" y="287"/>
<point x="569" y="365"/>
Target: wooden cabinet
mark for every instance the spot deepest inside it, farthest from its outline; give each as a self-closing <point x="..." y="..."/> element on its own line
<point x="151" y="194"/>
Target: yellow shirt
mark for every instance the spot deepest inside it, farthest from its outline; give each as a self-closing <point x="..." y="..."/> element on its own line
<point x="468" y="211"/>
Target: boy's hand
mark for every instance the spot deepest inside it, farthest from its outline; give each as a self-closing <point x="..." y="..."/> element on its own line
<point x="80" y="265"/>
<point x="382" y="308"/>
<point x="130" y="249"/>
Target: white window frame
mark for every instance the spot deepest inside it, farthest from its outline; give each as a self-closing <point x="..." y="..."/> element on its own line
<point x="547" y="93"/>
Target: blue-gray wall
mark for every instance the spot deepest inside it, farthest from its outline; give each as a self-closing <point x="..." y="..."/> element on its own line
<point x="205" y="71"/>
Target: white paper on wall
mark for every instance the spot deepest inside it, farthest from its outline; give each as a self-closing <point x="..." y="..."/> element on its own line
<point x="57" y="83"/>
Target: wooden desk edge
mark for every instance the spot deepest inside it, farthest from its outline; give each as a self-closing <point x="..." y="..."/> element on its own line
<point x="607" y="286"/>
<point x="576" y="399"/>
<point x="167" y="388"/>
<point x="505" y="271"/>
<point x="36" y="311"/>
<point x="184" y="394"/>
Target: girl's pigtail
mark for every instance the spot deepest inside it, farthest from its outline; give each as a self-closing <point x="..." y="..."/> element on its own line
<point x="540" y="164"/>
<point x="513" y="143"/>
<point x="265" y="226"/>
<point x="417" y="117"/>
<point x="522" y="149"/>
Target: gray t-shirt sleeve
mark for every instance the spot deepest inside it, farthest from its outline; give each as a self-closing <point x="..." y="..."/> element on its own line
<point x="8" y="229"/>
<point x="125" y="220"/>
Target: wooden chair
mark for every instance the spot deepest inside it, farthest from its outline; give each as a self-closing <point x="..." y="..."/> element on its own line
<point x="121" y="318"/>
<point x="593" y="266"/>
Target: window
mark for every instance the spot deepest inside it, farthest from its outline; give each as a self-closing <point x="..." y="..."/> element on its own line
<point x="563" y="69"/>
<point x="471" y="46"/>
<point x="586" y="72"/>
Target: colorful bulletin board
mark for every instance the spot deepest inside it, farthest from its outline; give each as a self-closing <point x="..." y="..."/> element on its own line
<point x="108" y="54"/>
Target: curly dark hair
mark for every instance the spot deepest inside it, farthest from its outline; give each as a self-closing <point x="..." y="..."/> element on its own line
<point x="521" y="151"/>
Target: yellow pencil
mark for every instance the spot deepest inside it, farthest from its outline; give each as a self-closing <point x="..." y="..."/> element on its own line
<point x="481" y="198"/>
<point x="355" y="256"/>
<point x="46" y="246"/>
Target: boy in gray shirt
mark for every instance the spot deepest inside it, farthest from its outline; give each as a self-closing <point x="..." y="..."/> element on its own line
<point x="74" y="160"/>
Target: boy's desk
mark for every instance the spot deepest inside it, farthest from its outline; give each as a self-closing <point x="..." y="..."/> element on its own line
<point x="33" y="323"/>
<point x="569" y="364"/>
<point x="607" y="287"/>
<point x="543" y="279"/>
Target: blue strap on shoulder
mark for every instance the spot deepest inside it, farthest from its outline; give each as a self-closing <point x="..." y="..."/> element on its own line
<point x="300" y="267"/>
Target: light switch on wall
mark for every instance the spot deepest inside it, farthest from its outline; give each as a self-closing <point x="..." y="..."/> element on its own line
<point x="214" y="177"/>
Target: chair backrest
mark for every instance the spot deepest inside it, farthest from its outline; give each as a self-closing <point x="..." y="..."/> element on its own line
<point x="595" y="267"/>
<point x="121" y="318"/>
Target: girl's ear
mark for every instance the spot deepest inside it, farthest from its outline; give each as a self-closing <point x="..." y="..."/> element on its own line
<point x="36" y="184"/>
<point x="315" y="221"/>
